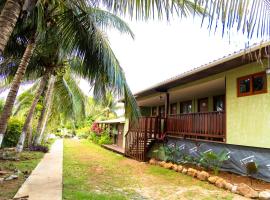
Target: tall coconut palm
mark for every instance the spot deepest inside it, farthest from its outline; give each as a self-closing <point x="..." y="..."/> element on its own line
<point x="7" y="110"/>
<point x="30" y="113"/>
<point x="43" y="119"/>
<point x="10" y="13"/>
<point x="107" y="20"/>
<point x="141" y="9"/>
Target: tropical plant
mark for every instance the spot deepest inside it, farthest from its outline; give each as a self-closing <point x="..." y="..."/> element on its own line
<point x="30" y="113"/>
<point x="251" y="169"/>
<point x="247" y="16"/>
<point x="100" y="54"/>
<point x="171" y="152"/>
<point x="214" y="160"/>
<point x="105" y="138"/>
<point x="14" y="129"/>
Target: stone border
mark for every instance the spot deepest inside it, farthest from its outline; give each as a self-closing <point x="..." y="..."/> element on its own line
<point x="241" y="189"/>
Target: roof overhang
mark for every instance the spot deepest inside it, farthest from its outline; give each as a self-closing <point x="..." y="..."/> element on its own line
<point x="245" y="56"/>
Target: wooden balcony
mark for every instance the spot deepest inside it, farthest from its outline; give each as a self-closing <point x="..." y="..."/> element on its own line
<point x="208" y="126"/>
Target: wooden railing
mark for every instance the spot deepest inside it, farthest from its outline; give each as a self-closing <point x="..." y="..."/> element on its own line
<point x="141" y="134"/>
<point x="209" y="126"/>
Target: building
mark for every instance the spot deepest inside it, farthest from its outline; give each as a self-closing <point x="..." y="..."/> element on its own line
<point x="224" y="104"/>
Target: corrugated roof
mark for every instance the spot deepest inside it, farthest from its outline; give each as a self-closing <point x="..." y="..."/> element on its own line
<point x="209" y="65"/>
<point x="112" y="121"/>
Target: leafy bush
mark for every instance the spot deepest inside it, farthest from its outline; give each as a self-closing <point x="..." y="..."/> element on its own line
<point x="214" y="160"/>
<point x="93" y="137"/>
<point x="171" y="152"/>
<point x="83" y="132"/>
<point x="13" y="132"/>
<point x="96" y="129"/>
<point x="105" y="138"/>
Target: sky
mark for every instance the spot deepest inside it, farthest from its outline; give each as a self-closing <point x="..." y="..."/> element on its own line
<point x="162" y="50"/>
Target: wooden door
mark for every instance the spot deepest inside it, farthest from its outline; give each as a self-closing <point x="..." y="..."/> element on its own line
<point x="120" y="135"/>
<point x="203" y="105"/>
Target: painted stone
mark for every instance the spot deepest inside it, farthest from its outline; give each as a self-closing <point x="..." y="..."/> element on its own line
<point x="203" y="175"/>
<point x="247" y="191"/>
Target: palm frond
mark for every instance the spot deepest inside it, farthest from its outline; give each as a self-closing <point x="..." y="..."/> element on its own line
<point x="145" y="9"/>
<point x="105" y="20"/>
<point x="250" y="17"/>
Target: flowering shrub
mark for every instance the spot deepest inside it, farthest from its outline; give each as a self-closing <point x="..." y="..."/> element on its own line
<point x="96" y="129"/>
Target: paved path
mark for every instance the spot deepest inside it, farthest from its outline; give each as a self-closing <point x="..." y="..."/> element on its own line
<point x="45" y="182"/>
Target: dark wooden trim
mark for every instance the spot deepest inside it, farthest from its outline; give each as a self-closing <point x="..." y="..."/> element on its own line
<point x="167" y="103"/>
<point x="251" y="92"/>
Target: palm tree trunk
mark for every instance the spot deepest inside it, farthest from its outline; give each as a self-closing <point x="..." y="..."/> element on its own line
<point x="7" y="110"/>
<point x="30" y="114"/>
<point x="8" y="20"/>
<point x="45" y="115"/>
<point x="30" y="134"/>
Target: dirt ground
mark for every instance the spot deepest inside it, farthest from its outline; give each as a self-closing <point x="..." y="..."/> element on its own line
<point x="110" y="176"/>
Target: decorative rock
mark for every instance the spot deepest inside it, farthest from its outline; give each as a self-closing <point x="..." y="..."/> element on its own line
<point x="264" y="195"/>
<point x="162" y="163"/>
<point x="228" y="186"/>
<point x="11" y="177"/>
<point x="192" y="172"/>
<point x="247" y="191"/>
<point x="179" y="168"/>
<point x="220" y="183"/>
<point x="203" y="175"/>
<point x="175" y="167"/>
<point x="184" y="171"/>
<point x="152" y="161"/>
<point x="168" y="165"/>
<point x="213" y="179"/>
<point x="234" y="189"/>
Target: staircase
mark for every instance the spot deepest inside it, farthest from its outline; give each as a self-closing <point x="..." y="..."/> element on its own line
<point x="141" y="136"/>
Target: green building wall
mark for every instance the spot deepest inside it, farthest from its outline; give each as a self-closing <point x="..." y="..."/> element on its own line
<point x="248" y="117"/>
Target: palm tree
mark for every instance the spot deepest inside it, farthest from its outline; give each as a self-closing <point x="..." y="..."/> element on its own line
<point x="30" y="113"/>
<point x="95" y="15"/>
<point x="250" y="17"/>
<point x="10" y="12"/>
<point x="141" y="9"/>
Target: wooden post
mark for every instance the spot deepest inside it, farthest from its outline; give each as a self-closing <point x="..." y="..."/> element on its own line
<point x="167" y="104"/>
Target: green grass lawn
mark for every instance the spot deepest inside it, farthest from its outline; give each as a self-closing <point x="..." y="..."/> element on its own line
<point x="91" y="172"/>
<point x="28" y="161"/>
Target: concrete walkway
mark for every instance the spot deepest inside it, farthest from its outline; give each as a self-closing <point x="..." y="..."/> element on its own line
<point x="45" y="182"/>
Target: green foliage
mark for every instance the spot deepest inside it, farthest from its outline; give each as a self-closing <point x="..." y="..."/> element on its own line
<point x="105" y="138"/>
<point x="2" y="103"/>
<point x="171" y="152"/>
<point x="93" y="137"/>
<point x="13" y="132"/>
<point x="251" y="168"/>
<point x="214" y="160"/>
<point x="83" y="132"/>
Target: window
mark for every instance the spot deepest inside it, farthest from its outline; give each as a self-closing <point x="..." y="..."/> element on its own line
<point x="154" y="111"/>
<point x="162" y="111"/>
<point x="186" y="107"/>
<point x="219" y="103"/>
<point x="173" y="109"/>
<point x="252" y="84"/>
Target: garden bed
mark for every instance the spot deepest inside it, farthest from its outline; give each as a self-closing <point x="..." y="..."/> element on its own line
<point x="243" y="185"/>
